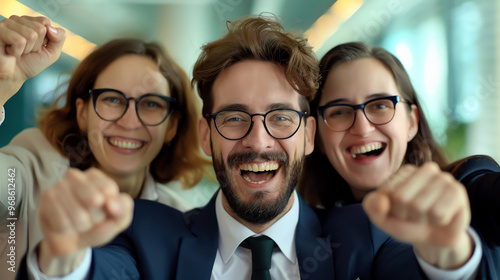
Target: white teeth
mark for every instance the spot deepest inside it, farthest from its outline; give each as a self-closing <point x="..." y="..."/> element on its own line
<point x="365" y="149"/>
<point x="269" y="177"/>
<point x="125" y="144"/>
<point x="259" y="167"/>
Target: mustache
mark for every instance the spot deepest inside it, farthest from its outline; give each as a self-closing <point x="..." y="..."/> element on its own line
<point x="250" y="156"/>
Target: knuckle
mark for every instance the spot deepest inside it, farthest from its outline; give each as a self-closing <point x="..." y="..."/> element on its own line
<point x="31" y="35"/>
<point x="435" y="213"/>
<point x="432" y="167"/>
<point x="416" y="206"/>
<point x="40" y="29"/>
<point x="82" y="219"/>
<point x="19" y="42"/>
<point x="399" y="198"/>
<point x="95" y="199"/>
<point x="51" y="195"/>
<point x="42" y="20"/>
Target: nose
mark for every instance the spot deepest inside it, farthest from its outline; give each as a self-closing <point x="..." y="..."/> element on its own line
<point x="361" y="126"/>
<point x="258" y="140"/>
<point x="130" y="120"/>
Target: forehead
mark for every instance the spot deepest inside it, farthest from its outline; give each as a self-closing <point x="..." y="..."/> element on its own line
<point x="358" y="80"/>
<point x="133" y="74"/>
<point x="254" y="84"/>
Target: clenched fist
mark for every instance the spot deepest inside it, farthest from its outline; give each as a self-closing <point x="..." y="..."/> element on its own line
<point x="28" y="45"/>
<point x="427" y="208"/>
<point x="83" y="209"/>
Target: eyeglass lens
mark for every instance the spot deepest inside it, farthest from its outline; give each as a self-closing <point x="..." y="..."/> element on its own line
<point x="151" y="110"/>
<point x="236" y="124"/>
<point x="340" y="118"/>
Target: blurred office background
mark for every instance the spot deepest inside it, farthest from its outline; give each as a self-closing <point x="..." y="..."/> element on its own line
<point x="449" y="47"/>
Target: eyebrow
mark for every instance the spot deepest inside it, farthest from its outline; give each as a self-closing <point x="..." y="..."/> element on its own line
<point x="243" y="107"/>
<point x="347" y="101"/>
<point x="230" y="107"/>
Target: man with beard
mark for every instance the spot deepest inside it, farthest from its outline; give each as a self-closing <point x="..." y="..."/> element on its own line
<point x="254" y="82"/>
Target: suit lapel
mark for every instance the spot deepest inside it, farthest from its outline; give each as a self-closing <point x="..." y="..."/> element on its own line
<point x="197" y="252"/>
<point x="313" y="250"/>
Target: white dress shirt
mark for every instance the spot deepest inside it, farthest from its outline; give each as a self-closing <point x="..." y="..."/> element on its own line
<point x="234" y="262"/>
<point x="155" y="191"/>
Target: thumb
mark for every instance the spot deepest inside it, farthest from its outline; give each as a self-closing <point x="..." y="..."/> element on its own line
<point x="56" y="38"/>
<point x="120" y="209"/>
<point x="377" y="205"/>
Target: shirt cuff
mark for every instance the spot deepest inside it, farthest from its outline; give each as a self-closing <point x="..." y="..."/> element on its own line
<point x="468" y="271"/>
<point x="80" y="272"/>
<point x="2" y="115"/>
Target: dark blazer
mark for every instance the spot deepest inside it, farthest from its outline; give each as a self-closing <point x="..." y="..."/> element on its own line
<point x="481" y="177"/>
<point x="363" y="251"/>
<point x="162" y="243"/>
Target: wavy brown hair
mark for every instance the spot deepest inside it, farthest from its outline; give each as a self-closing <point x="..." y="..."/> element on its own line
<point x="180" y="159"/>
<point x="317" y="188"/>
<point x="258" y="38"/>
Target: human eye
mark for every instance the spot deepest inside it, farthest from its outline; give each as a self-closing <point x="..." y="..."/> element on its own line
<point x="282" y="117"/>
<point x="231" y="118"/>
<point x="380" y="105"/>
<point x="112" y="99"/>
<point x="153" y="104"/>
<point x="337" y="111"/>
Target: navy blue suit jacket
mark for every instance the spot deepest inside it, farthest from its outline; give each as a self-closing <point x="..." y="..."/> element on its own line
<point x="481" y="176"/>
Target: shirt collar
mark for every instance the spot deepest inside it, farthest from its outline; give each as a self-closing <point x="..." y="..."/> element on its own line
<point x="149" y="190"/>
<point x="232" y="233"/>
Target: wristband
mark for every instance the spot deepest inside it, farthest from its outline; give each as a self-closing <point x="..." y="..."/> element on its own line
<point x="2" y="116"/>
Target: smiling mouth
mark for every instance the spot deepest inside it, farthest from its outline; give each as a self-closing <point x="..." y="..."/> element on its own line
<point x="125" y="144"/>
<point x="258" y="173"/>
<point x="372" y="149"/>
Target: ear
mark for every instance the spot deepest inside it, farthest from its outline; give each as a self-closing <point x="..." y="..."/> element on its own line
<point x="81" y="114"/>
<point x="204" y="135"/>
<point x="310" y="130"/>
<point x="172" y="124"/>
<point x="414" y="119"/>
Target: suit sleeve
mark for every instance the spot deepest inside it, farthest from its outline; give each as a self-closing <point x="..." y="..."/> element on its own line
<point x="481" y="177"/>
<point x="148" y="249"/>
<point x="361" y="250"/>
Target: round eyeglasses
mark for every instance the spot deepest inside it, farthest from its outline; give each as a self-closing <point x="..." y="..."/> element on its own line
<point x="111" y="104"/>
<point x="236" y="124"/>
<point x="378" y="111"/>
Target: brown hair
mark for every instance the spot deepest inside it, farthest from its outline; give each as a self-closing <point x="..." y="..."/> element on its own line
<point x="180" y="159"/>
<point x="422" y="148"/>
<point x="263" y="39"/>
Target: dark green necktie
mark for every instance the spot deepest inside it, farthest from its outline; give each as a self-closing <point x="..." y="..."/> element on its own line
<point x="262" y="249"/>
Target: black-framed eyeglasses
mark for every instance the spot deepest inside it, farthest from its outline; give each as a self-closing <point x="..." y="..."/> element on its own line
<point x="236" y="124"/>
<point x="111" y="104"/>
<point x="378" y="111"/>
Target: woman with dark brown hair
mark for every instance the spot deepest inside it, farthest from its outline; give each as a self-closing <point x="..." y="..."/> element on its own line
<point x="129" y="111"/>
<point x="371" y="130"/>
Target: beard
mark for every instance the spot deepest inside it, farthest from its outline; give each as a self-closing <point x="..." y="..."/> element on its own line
<point x="258" y="210"/>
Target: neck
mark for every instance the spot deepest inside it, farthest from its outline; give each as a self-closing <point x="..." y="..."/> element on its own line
<point x="130" y="183"/>
<point x="359" y="194"/>
<point x="257" y="228"/>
